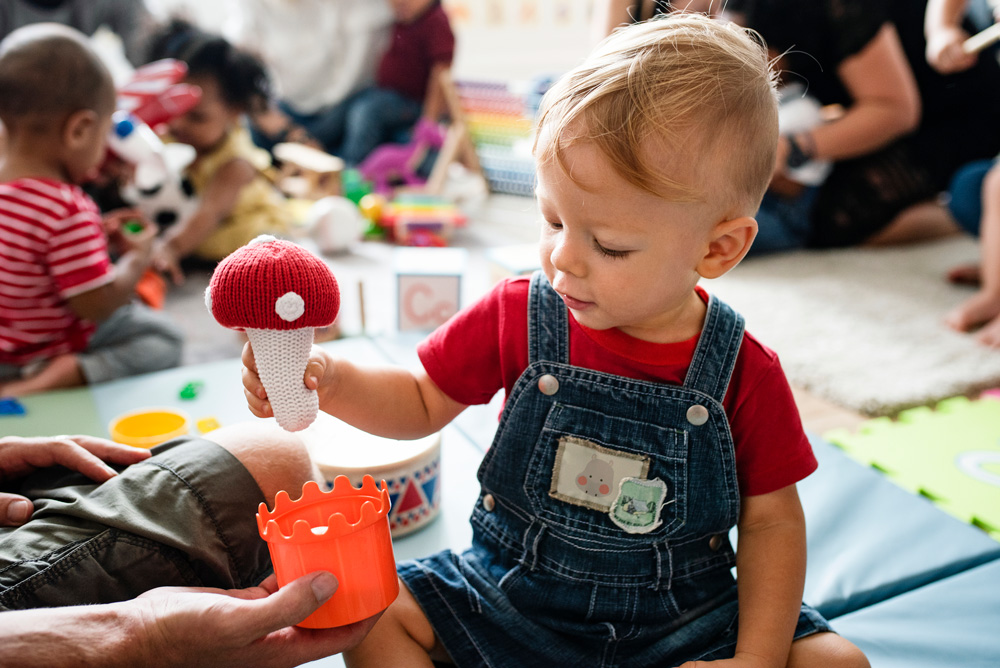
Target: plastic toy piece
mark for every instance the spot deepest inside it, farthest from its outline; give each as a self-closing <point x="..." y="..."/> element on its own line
<point x="207" y="424"/>
<point x="949" y="455"/>
<point x="154" y="94"/>
<point x="11" y="406"/>
<point x="191" y="390"/>
<point x="416" y="220"/>
<point x="392" y="164"/>
<point x="133" y="227"/>
<point x="147" y="427"/>
<point x="345" y="531"/>
<point x="279" y="293"/>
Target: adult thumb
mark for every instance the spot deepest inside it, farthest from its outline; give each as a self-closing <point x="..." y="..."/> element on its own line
<point x="14" y="510"/>
<point x="295" y="601"/>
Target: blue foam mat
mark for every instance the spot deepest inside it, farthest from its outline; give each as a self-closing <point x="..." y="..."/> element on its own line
<point x="869" y="540"/>
<point x="952" y="622"/>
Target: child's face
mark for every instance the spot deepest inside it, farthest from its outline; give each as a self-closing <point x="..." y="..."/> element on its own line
<point x="618" y="255"/>
<point x="207" y="123"/>
<point x="407" y="10"/>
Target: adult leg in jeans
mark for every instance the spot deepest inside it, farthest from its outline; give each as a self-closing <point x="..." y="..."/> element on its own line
<point x="373" y="117"/>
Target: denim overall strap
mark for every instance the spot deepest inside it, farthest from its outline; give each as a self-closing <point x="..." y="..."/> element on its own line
<point x="548" y="337"/>
<point x="717" y="350"/>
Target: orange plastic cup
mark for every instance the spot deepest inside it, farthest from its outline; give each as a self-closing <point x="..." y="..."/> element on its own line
<point x="344" y="531"/>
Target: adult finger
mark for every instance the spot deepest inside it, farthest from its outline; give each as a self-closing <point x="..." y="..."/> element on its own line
<point x="110" y="451"/>
<point x="15" y="510"/>
<point x="290" y="604"/>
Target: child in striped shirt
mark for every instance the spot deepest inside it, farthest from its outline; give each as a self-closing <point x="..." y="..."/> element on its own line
<point x="66" y="311"/>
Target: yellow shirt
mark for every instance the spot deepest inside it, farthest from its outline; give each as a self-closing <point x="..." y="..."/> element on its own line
<point x="260" y="208"/>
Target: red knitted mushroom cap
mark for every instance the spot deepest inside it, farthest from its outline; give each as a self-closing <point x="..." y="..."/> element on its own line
<point x="273" y="284"/>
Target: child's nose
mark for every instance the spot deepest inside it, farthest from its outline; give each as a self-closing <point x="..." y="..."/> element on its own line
<point x="567" y="258"/>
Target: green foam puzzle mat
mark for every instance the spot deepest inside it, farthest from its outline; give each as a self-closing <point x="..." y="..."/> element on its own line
<point x="949" y="454"/>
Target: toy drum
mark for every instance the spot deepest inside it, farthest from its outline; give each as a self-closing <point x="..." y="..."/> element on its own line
<point x="410" y="469"/>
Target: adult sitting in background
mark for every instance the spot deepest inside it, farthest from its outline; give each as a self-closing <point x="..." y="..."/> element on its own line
<point x="319" y="53"/>
<point x="182" y="520"/>
<point x="422" y="45"/>
<point x="903" y="132"/>
<point x="129" y="19"/>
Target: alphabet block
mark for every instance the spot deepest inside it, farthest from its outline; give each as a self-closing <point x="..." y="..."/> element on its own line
<point x="429" y="286"/>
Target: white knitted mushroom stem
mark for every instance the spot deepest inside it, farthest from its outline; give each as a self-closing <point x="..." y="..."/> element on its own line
<point x="282" y="356"/>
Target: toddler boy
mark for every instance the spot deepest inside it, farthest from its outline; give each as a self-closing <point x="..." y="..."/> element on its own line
<point x="66" y="311"/>
<point x="641" y="422"/>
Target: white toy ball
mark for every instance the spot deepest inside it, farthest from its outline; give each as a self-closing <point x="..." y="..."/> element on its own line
<point x="335" y="223"/>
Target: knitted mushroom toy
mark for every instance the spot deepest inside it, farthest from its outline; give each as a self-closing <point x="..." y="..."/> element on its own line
<point x="278" y="293"/>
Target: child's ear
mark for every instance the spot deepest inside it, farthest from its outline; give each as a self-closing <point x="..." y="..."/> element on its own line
<point x="79" y="127"/>
<point x="729" y="242"/>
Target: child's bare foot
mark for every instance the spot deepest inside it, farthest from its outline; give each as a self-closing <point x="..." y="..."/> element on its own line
<point x="983" y="307"/>
<point x="966" y="274"/>
<point x="989" y="335"/>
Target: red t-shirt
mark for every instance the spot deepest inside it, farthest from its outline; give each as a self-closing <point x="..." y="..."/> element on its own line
<point x="52" y="247"/>
<point x="414" y="50"/>
<point x="485" y="348"/>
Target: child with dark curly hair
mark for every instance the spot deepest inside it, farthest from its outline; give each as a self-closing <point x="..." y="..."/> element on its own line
<point x="237" y="200"/>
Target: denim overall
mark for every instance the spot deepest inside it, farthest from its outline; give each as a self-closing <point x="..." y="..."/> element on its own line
<point x="600" y="537"/>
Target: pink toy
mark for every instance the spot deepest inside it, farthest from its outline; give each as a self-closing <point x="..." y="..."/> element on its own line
<point x="279" y="293"/>
<point x="398" y="162"/>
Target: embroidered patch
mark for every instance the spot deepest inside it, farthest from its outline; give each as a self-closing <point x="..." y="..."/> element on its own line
<point x="637" y="507"/>
<point x="586" y="474"/>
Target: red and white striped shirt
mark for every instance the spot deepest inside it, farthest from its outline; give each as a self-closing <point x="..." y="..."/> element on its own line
<point x="52" y="247"/>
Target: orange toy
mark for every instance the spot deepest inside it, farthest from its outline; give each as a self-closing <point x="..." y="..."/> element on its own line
<point x="344" y="531"/>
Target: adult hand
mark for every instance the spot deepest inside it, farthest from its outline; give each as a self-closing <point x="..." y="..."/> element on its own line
<point x="319" y="371"/>
<point x="184" y="626"/>
<point x="85" y="454"/>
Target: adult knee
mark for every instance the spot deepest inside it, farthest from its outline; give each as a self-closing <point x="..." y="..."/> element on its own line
<point x="277" y="459"/>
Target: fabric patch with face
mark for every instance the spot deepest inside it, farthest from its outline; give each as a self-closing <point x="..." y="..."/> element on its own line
<point x="587" y="474"/>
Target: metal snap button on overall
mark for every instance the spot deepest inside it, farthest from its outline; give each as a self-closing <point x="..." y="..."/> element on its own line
<point x="697" y="415"/>
<point x="489" y="503"/>
<point x="548" y="384"/>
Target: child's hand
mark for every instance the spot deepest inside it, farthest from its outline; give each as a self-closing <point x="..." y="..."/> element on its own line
<point x="738" y="661"/>
<point x="167" y="261"/>
<point x="319" y="367"/>
<point x="945" y="53"/>
<point x="131" y="231"/>
<point x="85" y="454"/>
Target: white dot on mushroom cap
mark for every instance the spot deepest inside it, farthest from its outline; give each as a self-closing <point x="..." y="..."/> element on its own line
<point x="262" y="239"/>
<point x="289" y="306"/>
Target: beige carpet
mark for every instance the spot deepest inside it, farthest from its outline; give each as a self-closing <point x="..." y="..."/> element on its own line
<point x="864" y="328"/>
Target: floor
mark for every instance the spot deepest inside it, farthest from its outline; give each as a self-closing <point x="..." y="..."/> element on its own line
<point x="366" y="279"/>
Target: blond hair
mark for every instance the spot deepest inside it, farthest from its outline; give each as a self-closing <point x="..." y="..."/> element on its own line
<point x="699" y="85"/>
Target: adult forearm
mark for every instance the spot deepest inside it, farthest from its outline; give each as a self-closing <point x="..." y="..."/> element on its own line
<point x="73" y="637"/>
<point x="863" y="129"/>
